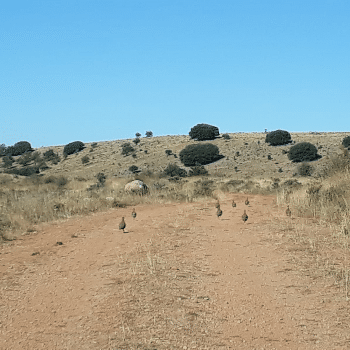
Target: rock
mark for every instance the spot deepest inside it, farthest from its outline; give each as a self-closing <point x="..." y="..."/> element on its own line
<point x="137" y="187"/>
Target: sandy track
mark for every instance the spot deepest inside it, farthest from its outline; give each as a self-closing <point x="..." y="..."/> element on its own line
<point x="179" y="278"/>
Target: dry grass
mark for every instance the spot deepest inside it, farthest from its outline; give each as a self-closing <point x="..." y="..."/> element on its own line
<point x="164" y="304"/>
<point x="321" y="225"/>
<point x="25" y="202"/>
<point x="325" y="196"/>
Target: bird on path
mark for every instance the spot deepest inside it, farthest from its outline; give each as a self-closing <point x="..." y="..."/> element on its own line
<point x="234" y="204"/>
<point x="245" y="217"/>
<point x="247" y="201"/>
<point x="122" y="224"/>
<point x="133" y="214"/>
<point x="219" y="212"/>
<point x="288" y="212"/>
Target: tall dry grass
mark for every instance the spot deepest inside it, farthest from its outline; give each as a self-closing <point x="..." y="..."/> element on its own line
<point x="320" y="223"/>
<point x="27" y="202"/>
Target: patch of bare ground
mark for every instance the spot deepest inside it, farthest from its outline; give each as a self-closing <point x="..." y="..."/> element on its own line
<point x="178" y="278"/>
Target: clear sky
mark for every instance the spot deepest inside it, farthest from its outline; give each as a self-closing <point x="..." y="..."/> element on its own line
<point x="98" y="70"/>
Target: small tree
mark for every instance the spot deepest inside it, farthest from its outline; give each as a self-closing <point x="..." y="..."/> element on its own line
<point x="149" y="133"/>
<point x="203" y="132"/>
<point x="303" y="152"/>
<point x="278" y="138"/>
<point x="73" y="147"/>
<point x="137" y="134"/>
<point x="200" y="154"/>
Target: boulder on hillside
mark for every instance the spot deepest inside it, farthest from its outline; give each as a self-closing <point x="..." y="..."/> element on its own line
<point x="136" y="187"/>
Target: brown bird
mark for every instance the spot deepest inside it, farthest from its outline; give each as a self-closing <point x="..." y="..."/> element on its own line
<point x="245" y="217"/>
<point x="122" y="224"/>
<point x="288" y="212"/>
<point x="247" y="201"/>
<point x="234" y="204"/>
<point x="219" y="212"/>
<point x="133" y="214"/>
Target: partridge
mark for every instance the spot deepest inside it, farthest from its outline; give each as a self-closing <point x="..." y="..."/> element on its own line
<point x="219" y="212"/>
<point x="234" y="204"/>
<point x="288" y="212"/>
<point x="247" y="201"/>
<point x="122" y="224"/>
<point x="133" y="214"/>
<point x="245" y="217"/>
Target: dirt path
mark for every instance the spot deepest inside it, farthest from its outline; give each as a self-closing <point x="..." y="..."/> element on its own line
<point x="179" y="278"/>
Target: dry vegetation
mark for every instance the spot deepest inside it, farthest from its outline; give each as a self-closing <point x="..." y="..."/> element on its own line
<point x="65" y="190"/>
<point x="62" y="190"/>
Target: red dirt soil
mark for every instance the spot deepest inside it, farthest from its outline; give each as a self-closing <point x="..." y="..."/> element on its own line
<point x="230" y="285"/>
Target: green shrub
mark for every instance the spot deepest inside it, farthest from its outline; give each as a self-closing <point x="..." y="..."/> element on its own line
<point x="305" y="169"/>
<point x="198" y="171"/>
<point x="7" y="161"/>
<point x="134" y="169"/>
<point x="127" y="149"/>
<point x="50" y="179"/>
<point x="42" y="165"/>
<point x="85" y="159"/>
<point x="199" y="154"/>
<point x="73" y="147"/>
<point x="19" y="148"/>
<point x="303" y="152"/>
<point x="94" y="145"/>
<point x="51" y="156"/>
<point x="25" y="159"/>
<point x="149" y="133"/>
<point x="36" y="157"/>
<point x="61" y="181"/>
<point x="346" y="142"/>
<point x="278" y="138"/>
<point x="226" y="136"/>
<point x="203" y="132"/>
<point x="136" y="141"/>
<point x="101" y="178"/>
<point x="174" y="170"/>
<point x="168" y="152"/>
<point x="204" y="188"/>
<point x="2" y="150"/>
<point x="26" y="171"/>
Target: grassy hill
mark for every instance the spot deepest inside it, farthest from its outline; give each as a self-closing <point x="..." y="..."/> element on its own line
<point x="66" y="187"/>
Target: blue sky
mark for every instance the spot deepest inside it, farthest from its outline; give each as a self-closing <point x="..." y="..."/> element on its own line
<point x="83" y="70"/>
